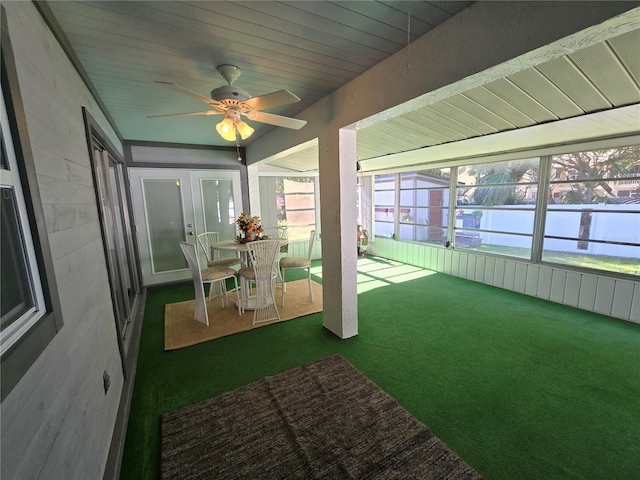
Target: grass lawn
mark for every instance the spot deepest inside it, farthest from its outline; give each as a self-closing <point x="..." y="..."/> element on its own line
<point x="630" y="266"/>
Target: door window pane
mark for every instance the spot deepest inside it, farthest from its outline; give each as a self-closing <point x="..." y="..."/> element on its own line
<point x="219" y="211"/>
<point x="124" y="250"/>
<point x="163" y="204"/>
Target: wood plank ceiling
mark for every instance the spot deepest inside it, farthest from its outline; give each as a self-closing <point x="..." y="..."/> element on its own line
<point x="312" y="48"/>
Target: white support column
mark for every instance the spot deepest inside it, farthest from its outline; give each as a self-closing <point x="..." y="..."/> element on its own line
<point x="337" y="159"/>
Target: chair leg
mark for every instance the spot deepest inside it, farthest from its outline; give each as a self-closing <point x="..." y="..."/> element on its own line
<point x="242" y="294"/>
<point x="280" y="277"/>
<point x="224" y="300"/>
<point x="284" y="290"/>
<point x="238" y="302"/>
<point x="212" y="287"/>
<point x="309" y="281"/>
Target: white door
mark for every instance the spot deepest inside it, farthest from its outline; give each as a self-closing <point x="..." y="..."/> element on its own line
<point x="174" y="205"/>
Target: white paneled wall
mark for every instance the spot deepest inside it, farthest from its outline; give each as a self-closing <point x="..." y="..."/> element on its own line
<point x="301" y="249"/>
<point x="58" y="421"/>
<point x="591" y="292"/>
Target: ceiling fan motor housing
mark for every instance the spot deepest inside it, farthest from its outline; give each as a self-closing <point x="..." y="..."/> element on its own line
<point x="229" y="92"/>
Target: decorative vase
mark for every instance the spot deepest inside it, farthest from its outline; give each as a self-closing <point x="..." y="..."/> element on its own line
<point x="249" y="236"/>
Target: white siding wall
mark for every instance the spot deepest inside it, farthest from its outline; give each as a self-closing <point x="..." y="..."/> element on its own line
<point x="57" y="422"/>
<point x="605" y="295"/>
<point x="301" y="249"/>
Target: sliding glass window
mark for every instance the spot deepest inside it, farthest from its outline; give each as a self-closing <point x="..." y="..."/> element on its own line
<point x="496" y="207"/>
<point x="384" y="200"/>
<point x="593" y="211"/>
<point x="587" y="217"/>
<point x="424" y="206"/>
<point x="289" y="201"/>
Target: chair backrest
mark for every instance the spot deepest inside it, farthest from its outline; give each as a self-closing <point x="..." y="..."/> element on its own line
<point x="264" y="254"/>
<point x="206" y="240"/>
<point x="312" y="239"/>
<point x="280" y="232"/>
<point x="190" y="253"/>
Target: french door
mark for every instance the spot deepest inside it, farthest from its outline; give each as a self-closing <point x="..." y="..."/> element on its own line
<point x="174" y="205"/>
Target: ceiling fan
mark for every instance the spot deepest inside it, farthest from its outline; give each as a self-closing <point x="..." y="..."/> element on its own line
<point x="234" y="102"/>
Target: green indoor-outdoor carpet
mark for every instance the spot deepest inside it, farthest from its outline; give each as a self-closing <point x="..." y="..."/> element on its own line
<point x="519" y="387"/>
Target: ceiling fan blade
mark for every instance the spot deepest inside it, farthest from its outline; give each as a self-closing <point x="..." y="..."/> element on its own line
<point x="277" y="120"/>
<point x="275" y="99"/>
<point x="197" y="96"/>
<point x="206" y="112"/>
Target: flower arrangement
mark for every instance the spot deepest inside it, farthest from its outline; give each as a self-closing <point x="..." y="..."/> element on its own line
<point x="250" y="227"/>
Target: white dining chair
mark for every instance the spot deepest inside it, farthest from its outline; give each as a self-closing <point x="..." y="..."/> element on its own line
<point x="281" y="231"/>
<point x="207" y="240"/>
<point x="262" y="271"/>
<point x="298" y="262"/>
<point x="210" y="275"/>
<point x="278" y="232"/>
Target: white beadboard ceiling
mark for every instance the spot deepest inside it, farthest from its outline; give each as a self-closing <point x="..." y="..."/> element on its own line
<point x="592" y="93"/>
<point x="311" y="48"/>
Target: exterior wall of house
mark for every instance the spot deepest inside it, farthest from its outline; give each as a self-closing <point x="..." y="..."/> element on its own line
<point x="595" y="293"/>
<point x="57" y="422"/>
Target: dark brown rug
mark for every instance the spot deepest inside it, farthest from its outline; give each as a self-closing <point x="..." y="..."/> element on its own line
<point x="323" y="420"/>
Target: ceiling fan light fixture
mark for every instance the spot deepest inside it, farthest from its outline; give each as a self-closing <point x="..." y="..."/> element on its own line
<point x="244" y="129"/>
<point x="227" y="130"/>
<point x="232" y="102"/>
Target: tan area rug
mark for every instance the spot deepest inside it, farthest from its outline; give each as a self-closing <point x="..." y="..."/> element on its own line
<point x="182" y="330"/>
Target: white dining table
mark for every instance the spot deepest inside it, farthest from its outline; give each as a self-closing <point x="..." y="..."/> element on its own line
<point x="248" y="301"/>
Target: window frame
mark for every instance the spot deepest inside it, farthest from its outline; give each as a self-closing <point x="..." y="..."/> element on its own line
<point x="546" y="208"/>
<point x="539" y="201"/>
<point x="395" y="207"/>
<point x="315" y="195"/>
<point x="443" y="208"/>
<point x="10" y="179"/>
<point x="18" y="358"/>
<point x="470" y="234"/>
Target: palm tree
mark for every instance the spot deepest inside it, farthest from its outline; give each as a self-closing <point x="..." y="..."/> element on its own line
<point x="500" y="184"/>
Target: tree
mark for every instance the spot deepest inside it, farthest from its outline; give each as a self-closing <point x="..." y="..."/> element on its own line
<point x="593" y="173"/>
<point x="497" y="184"/>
